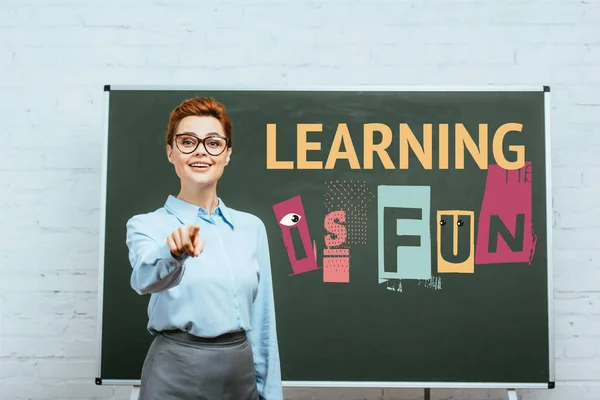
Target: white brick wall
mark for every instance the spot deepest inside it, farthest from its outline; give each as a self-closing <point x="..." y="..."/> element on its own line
<point x="56" y="55"/>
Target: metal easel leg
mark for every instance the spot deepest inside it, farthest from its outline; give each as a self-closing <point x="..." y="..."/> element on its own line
<point x="427" y="394"/>
<point x="512" y="394"/>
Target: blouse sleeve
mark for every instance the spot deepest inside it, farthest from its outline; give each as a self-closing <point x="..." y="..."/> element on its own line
<point x="263" y="334"/>
<point x="154" y="267"/>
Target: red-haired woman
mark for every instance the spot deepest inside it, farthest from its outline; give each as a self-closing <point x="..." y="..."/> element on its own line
<point x="207" y="268"/>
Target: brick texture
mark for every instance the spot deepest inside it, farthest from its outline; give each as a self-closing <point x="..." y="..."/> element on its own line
<point x="56" y="55"/>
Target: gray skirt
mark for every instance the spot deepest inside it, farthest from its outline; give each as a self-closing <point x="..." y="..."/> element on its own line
<point x="183" y="367"/>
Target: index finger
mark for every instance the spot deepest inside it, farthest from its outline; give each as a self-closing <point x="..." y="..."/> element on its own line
<point x="194" y="229"/>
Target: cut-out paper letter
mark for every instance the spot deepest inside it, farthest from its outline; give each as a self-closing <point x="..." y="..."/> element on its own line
<point x="336" y="259"/>
<point x="505" y="231"/>
<point x="291" y="216"/>
<point x="404" y="240"/>
<point x="455" y="241"/>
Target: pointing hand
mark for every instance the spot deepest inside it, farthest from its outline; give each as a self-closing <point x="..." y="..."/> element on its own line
<point x="186" y="239"/>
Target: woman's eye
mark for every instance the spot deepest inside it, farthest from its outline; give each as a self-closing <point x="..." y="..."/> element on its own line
<point x="290" y="219"/>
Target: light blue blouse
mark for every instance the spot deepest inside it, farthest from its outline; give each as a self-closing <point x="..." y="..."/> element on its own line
<point x="227" y="288"/>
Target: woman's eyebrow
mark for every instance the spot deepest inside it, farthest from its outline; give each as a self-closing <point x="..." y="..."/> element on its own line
<point x="195" y="134"/>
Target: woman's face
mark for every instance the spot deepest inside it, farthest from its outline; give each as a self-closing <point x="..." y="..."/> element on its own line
<point x="199" y="167"/>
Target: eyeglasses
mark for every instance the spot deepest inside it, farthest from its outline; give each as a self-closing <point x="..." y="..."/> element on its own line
<point x="187" y="143"/>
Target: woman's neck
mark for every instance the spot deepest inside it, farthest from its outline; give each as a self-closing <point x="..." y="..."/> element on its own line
<point x="203" y="197"/>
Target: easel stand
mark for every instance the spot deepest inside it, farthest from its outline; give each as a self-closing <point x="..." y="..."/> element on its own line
<point x="135" y="393"/>
<point x="512" y="394"/>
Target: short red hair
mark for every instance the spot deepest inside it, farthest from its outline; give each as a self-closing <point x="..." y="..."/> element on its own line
<point x="199" y="106"/>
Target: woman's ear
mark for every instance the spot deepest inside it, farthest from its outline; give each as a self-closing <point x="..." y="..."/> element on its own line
<point x="228" y="156"/>
<point x="170" y="154"/>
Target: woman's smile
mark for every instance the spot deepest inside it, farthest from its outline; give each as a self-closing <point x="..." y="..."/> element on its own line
<point x="200" y="166"/>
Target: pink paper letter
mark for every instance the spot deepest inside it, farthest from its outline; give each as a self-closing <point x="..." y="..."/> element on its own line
<point x="336" y="262"/>
<point x="505" y="231"/>
<point x="290" y="215"/>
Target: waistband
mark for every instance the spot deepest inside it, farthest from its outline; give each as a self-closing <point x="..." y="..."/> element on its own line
<point x="227" y="338"/>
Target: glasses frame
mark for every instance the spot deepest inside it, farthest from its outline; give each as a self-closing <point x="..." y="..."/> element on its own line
<point x="200" y="141"/>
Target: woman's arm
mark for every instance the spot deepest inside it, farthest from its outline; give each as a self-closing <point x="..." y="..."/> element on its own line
<point x="154" y="267"/>
<point x="263" y="335"/>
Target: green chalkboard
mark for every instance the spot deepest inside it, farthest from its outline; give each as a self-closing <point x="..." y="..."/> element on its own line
<point x="429" y="250"/>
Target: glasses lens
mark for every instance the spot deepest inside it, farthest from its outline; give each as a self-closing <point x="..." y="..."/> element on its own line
<point x="186" y="143"/>
<point x="215" y="146"/>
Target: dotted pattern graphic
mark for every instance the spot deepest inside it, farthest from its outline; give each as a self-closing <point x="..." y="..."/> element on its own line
<point x="353" y="197"/>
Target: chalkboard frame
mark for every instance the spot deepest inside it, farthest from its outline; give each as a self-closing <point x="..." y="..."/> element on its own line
<point x="391" y="88"/>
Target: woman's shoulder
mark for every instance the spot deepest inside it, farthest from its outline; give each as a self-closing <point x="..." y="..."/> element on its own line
<point x="157" y="218"/>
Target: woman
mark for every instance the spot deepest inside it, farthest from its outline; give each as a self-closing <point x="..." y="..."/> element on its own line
<point x="207" y="268"/>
